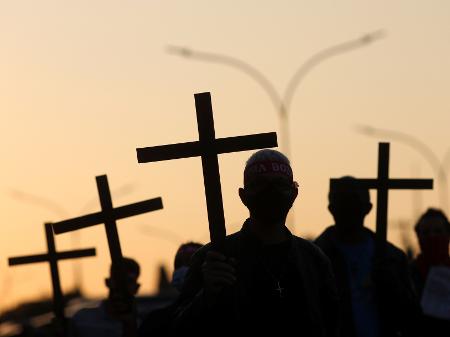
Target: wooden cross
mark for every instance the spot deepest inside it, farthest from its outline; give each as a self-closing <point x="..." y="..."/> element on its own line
<point x="108" y="216"/>
<point x="208" y="147"/>
<point x="383" y="184"/>
<point x="52" y="257"/>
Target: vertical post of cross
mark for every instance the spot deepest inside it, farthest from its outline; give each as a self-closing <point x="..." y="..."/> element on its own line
<point x="115" y="250"/>
<point x="110" y="224"/>
<point x="210" y="166"/>
<point x="382" y="193"/>
<point x="58" y="298"/>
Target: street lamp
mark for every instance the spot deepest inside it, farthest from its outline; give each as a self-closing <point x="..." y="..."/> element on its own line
<point x="440" y="167"/>
<point x="282" y="103"/>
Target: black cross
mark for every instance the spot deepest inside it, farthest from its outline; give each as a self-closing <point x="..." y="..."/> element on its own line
<point x="52" y="257"/>
<point x="208" y="147"/>
<point x="108" y="216"/>
<point x="383" y="184"/>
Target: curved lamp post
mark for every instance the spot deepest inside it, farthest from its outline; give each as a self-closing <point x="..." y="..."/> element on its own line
<point x="281" y="102"/>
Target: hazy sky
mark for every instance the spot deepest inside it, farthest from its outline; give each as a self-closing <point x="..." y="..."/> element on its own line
<point x="83" y="83"/>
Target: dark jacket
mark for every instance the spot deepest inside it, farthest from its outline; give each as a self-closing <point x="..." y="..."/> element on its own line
<point x="232" y="312"/>
<point x="396" y="300"/>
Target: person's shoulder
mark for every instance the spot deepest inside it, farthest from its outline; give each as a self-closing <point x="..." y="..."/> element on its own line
<point x="310" y="248"/>
<point x="88" y="314"/>
<point x="327" y="235"/>
<point x="326" y="240"/>
<point x="395" y="252"/>
<point x="391" y="250"/>
<point x="230" y="241"/>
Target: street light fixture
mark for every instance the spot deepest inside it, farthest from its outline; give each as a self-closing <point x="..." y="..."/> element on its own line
<point x="282" y="103"/>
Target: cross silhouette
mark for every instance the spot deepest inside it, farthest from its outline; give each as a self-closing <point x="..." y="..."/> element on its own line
<point x="52" y="257"/>
<point x="279" y="289"/>
<point x="383" y="183"/>
<point x="208" y="147"/>
<point x="108" y="216"/>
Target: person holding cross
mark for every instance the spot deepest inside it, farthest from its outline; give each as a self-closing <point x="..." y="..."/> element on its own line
<point x="157" y="321"/>
<point x="377" y="296"/>
<point x="261" y="279"/>
<point x="113" y="314"/>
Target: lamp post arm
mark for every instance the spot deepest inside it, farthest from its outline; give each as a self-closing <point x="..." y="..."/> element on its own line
<point x="409" y="140"/>
<point x="446" y="161"/>
<point x="321" y="56"/>
<point x="233" y="62"/>
<point x="39" y="201"/>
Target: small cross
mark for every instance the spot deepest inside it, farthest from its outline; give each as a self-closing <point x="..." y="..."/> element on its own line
<point x="52" y="257"/>
<point x="208" y="147"/>
<point x="279" y="289"/>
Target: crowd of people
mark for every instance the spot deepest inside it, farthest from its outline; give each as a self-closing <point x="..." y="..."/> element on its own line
<point x="266" y="280"/>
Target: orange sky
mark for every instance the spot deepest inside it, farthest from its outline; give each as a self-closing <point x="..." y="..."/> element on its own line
<point x="84" y="83"/>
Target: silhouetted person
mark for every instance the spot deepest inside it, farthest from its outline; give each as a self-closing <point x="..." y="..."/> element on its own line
<point x="110" y="316"/>
<point x="182" y="262"/>
<point x="377" y="296"/>
<point x="433" y="233"/>
<point x="157" y="322"/>
<point x="267" y="280"/>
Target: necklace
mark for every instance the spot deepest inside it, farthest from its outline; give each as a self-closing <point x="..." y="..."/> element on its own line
<point x="280" y="290"/>
<point x="274" y="261"/>
<point x="277" y="280"/>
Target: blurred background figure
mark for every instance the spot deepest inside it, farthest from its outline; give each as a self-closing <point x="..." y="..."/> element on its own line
<point x="181" y="263"/>
<point x="156" y="323"/>
<point x="110" y="316"/>
<point x="376" y="291"/>
<point x="431" y="271"/>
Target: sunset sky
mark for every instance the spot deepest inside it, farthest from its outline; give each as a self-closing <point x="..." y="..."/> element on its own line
<point x="84" y="83"/>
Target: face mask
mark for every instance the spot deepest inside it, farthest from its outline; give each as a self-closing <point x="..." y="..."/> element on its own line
<point x="435" y="248"/>
<point x="178" y="277"/>
<point x="270" y="204"/>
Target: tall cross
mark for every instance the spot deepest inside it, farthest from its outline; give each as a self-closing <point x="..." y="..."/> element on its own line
<point x="383" y="184"/>
<point x="208" y="147"/>
<point x="108" y="216"/>
<point x="52" y="257"/>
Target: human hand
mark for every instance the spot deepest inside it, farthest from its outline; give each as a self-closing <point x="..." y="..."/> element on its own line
<point x="218" y="273"/>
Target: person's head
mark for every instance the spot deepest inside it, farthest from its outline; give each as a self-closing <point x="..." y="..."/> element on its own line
<point x="269" y="189"/>
<point x="433" y="233"/>
<point x="181" y="262"/>
<point x="132" y="271"/>
<point x="349" y="203"/>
